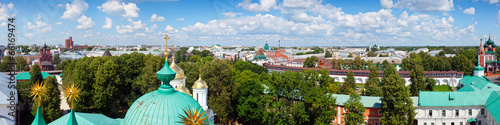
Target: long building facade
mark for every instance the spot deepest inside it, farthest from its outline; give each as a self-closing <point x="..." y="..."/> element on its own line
<point x="451" y="78"/>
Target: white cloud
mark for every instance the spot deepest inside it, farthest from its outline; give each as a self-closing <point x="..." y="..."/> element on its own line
<point x="264" y="6"/>
<point x="497" y="18"/>
<point x="75" y="10"/>
<point x="386" y="3"/>
<point x="40" y="27"/>
<point x="29" y="35"/>
<point x="491" y="1"/>
<point x="5" y="10"/>
<point x="10" y="6"/>
<point x="155" y="18"/>
<point x="426" y="5"/>
<point x="133" y="26"/>
<point x="152" y="29"/>
<point x="170" y="29"/>
<point x="60" y="5"/>
<point x="123" y="9"/>
<point x="109" y="23"/>
<point x="230" y="14"/>
<point x="470" y="11"/>
<point x="180" y="19"/>
<point x="85" y="23"/>
<point x="58" y="23"/>
<point x="300" y="3"/>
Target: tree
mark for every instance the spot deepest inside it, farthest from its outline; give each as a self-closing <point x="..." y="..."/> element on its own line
<point x="195" y="58"/>
<point x="396" y="102"/>
<point x="218" y="74"/>
<point x="249" y="107"/>
<point x="349" y="84"/>
<point x="328" y="54"/>
<point x="147" y="81"/>
<point x="350" y="55"/>
<point x="354" y="109"/>
<point x="56" y="60"/>
<point x="88" y="48"/>
<point x="405" y="64"/>
<point x="6" y="63"/>
<point x="372" y="88"/>
<point x="206" y="53"/>
<point x="106" y="88"/>
<point x="143" y="49"/>
<point x="191" y="70"/>
<point x="372" y="54"/>
<point x="51" y="102"/>
<point x="36" y="74"/>
<point x="244" y="65"/>
<point x="310" y="62"/>
<point x="22" y="65"/>
<point x="430" y="84"/>
<point x="417" y="80"/>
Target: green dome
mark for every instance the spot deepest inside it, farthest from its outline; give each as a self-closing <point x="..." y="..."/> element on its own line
<point x="489" y="41"/>
<point x="160" y="107"/>
<point x="266" y="47"/>
<point x="260" y="57"/>
<point x="478" y="67"/>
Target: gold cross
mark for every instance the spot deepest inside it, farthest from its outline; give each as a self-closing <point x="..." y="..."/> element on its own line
<point x="166" y="47"/>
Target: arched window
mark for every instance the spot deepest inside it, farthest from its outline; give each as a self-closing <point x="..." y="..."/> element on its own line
<point x="196" y="96"/>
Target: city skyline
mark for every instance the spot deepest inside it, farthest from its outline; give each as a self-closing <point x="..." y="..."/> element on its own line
<point x="253" y="22"/>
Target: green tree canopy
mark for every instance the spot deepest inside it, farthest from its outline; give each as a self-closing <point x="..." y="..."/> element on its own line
<point x="218" y="74"/>
<point x="349" y="84"/>
<point x="354" y="109"/>
<point x="372" y="88"/>
<point x="51" y="102"/>
<point x="396" y="102"/>
<point x="22" y="65"/>
<point x="56" y="60"/>
<point x="417" y="80"/>
<point x="36" y="74"/>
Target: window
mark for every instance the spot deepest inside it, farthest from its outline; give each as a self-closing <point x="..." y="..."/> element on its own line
<point x="461" y="123"/>
<point x="478" y="122"/>
<point x="379" y="112"/>
<point x="452" y="123"/>
<point x="457" y="113"/>
<point x="470" y="112"/>
<point x="443" y="113"/>
<point x="425" y="123"/>
<point x="482" y="111"/>
<point x="430" y="113"/>
<point x="444" y="123"/>
<point x="376" y="123"/>
<point x="432" y="123"/>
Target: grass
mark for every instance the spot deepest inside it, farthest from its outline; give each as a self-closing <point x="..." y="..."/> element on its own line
<point x="442" y="88"/>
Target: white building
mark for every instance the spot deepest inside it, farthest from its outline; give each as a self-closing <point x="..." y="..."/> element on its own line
<point x="477" y="102"/>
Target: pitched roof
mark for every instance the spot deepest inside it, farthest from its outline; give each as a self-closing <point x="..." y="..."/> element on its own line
<point x="367" y="101"/>
<point x="87" y="119"/>
<point x="477" y="91"/>
<point x="45" y="63"/>
<point x="27" y="76"/>
<point x="106" y="53"/>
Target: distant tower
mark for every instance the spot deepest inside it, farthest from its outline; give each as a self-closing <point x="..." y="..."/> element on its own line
<point x="279" y="42"/>
<point x="487" y="57"/>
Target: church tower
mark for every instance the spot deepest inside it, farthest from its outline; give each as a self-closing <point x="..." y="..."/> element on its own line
<point x="180" y="77"/>
<point x="200" y="91"/>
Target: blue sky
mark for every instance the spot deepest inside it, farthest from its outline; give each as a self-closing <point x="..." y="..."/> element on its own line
<point x="253" y="22"/>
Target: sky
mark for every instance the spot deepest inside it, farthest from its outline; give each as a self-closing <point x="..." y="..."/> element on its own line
<point x="252" y="22"/>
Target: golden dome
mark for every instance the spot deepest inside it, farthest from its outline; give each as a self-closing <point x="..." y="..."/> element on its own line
<point x="179" y="73"/>
<point x="183" y="89"/>
<point x="200" y="84"/>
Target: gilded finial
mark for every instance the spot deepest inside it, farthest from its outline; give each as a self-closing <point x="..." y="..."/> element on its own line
<point x="193" y="116"/>
<point x="72" y="93"/>
<point x="37" y="91"/>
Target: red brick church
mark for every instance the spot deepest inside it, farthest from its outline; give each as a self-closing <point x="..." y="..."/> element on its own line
<point x="487" y="57"/>
<point x="45" y="58"/>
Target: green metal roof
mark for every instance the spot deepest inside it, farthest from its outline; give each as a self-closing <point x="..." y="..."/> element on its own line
<point x="27" y="76"/>
<point x="471" y="120"/>
<point x="260" y="57"/>
<point x="477" y="91"/>
<point x="367" y="101"/>
<point x="491" y="61"/>
<point x="478" y="67"/>
<point x="476" y="83"/>
<point x="87" y="119"/>
<point x="266" y="47"/>
<point x="490" y="52"/>
<point x="38" y="118"/>
<point x="163" y="106"/>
